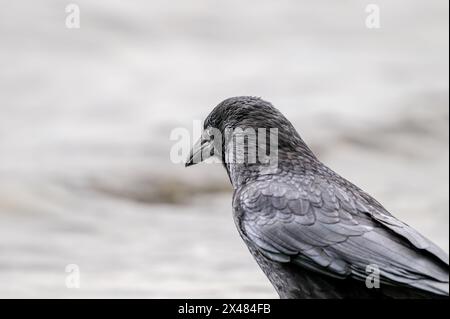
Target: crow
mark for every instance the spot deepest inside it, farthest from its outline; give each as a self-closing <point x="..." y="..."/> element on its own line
<point x="313" y="233"/>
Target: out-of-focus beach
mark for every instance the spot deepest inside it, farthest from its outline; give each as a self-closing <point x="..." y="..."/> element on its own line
<point x="86" y="115"/>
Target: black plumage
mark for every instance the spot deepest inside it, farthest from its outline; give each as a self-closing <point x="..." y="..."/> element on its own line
<point x="312" y="232"/>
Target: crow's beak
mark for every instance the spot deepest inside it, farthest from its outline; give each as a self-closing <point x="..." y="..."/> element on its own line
<point x="201" y="150"/>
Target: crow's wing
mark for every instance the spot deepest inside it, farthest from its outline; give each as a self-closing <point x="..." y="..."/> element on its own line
<point x="320" y="226"/>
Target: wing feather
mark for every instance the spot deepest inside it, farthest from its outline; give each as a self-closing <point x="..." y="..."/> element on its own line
<point x="328" y="230"/>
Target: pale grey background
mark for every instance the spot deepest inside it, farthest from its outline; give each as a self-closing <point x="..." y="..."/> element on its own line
<point x="85" y="119"/>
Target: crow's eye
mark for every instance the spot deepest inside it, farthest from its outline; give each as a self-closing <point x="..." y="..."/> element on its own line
<point x="206" y="135"/>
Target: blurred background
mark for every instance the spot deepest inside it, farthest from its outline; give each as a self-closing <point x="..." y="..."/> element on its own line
<point x="86" y="114"/>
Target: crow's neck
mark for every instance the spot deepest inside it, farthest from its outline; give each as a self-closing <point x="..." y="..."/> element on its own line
<point x="300" y="158"/>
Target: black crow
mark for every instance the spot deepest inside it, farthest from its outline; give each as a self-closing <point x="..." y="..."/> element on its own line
<point x="313" y="233"/>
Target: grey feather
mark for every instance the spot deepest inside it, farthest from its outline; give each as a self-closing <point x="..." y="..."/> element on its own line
<point x="314" y="233"/>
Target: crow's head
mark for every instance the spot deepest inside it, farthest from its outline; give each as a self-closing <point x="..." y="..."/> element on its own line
<point x="243" y="129"/>
<point x="244" y="112"/>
